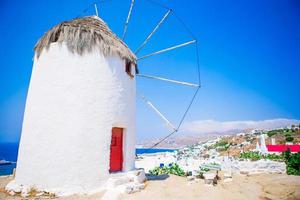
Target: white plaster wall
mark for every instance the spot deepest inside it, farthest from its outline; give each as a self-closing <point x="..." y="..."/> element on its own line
<point x="72" y="104"/>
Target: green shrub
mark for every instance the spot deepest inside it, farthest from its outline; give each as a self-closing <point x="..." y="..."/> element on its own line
<point x="158" y="171"/>
<point x="292" y="162"/>
<point x="284" y="132"/>
<point x="251" y="155"/>
<point x="173" y="168"/>
<point x="176" y="170"/>
<point x="287" y="135"/>
<point x="221" y="145"/>
<point x="274" y="157"/>
<point x="204" y="169"/>
<point x="257" y="156"/>
<point x="200" y="175"/>
<point x="289" y="138"/>
<point x="272" y="133"/>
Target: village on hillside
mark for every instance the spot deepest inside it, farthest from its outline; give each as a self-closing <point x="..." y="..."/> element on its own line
<point x="256" y="145"/>
<point x="254" y="152"/>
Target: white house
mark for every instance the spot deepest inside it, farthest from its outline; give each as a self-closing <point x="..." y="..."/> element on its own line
<point x="79" y="121"/>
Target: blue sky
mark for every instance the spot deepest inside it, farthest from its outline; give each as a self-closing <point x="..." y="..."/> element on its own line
<point x="249" y="57"/>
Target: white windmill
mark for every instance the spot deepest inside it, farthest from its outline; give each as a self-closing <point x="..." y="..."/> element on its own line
<point x="79" y="121"/>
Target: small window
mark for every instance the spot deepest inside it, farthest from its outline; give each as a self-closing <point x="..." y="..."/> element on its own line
<point x="128" y="68"/>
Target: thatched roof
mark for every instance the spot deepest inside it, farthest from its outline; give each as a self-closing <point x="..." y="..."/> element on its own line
<point x="83" y="35"/>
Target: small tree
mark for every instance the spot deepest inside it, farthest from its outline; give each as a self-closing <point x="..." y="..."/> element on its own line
<point x="292" y="162"/>
<point x="286" y="155"/>
<point x="289" y="138"/>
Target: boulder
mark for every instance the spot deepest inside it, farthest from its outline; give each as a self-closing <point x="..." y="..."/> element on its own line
<point x="130" y="187"/>
<point x="138" y="187"/>
<point x="116" y="181"/>
<point x="244" y="171"/>
<point x="208" y="178"/>
<point x="25" y="191"/>
<point x="227" y="174"/>
<point x="12" y="186"/>
<point x="137" y="176"/>
<point x="140" y="177"/>
<point x="11" y="193"/>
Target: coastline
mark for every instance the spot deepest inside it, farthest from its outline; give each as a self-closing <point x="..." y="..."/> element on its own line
<point x="11" y="156"/>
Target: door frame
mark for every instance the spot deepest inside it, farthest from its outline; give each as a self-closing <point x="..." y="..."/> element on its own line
<point x="123" y="147"/>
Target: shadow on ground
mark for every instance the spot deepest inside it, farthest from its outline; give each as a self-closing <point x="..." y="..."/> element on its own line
<point x="157" y="178"/>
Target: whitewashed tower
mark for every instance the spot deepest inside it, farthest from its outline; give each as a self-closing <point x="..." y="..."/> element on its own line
<point x="82" y="89"/>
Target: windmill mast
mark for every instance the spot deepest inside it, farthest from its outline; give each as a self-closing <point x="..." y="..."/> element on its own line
<point x="96" y="9"/>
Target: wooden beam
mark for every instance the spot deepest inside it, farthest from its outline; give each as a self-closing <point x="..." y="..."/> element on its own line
<point x="158" y="113"/>
<point x="168" y="80"/>
<point x="154" y="30"/>
<point x="167" y="49"/>
<point x="127" y="20"/>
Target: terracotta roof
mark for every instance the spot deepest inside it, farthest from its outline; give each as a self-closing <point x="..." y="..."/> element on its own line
<point x="282" y="148"/>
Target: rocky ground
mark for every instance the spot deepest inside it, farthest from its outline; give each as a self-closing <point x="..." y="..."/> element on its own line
<point x="260" y="186"/>
<point x="242" y="187"/>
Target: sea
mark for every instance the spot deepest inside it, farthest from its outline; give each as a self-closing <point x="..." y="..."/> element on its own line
<point x="9" y="152"/>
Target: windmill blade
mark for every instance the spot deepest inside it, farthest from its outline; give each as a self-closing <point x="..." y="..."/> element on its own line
<point x="158" y="112"/>
<point x="167" y="49"/>
<point x="127" y="20"/>
<point x="168" y="80"/>
<point x="154" y="30"/>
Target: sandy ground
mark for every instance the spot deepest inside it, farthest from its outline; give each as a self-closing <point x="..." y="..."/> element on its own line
<point x="262" y="187"/>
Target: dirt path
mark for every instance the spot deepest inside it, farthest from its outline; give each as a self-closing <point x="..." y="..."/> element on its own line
<point x="262" y="187"/>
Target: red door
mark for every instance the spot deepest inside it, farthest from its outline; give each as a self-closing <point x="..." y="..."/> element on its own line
<point x="116" y="150"/>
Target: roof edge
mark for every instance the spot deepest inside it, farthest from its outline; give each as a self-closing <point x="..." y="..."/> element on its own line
<point x="83" y="35"/>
